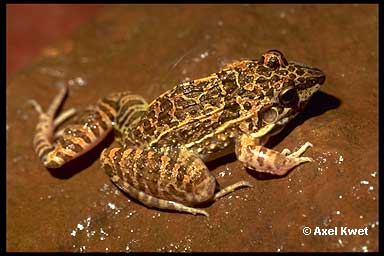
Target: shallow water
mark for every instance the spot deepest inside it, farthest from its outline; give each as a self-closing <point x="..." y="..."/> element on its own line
<point x="148" y="49"/>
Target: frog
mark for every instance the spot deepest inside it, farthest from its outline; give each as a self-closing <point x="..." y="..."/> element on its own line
<point x="164" y="145"/>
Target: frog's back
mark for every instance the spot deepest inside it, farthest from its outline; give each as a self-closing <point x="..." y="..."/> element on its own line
<point x="196" y="109"/>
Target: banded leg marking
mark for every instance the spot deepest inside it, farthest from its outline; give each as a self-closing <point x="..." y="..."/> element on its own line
<point x="44" y="128"/>
<point x="55" y="148"/>
<point x="154" y="202"/>
<point x="167" y="178"/>
<point x="132" y="107"/>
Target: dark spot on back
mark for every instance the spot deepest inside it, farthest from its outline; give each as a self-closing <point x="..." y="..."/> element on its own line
<point x="263" y="70"/>
<point x="282" y="72"/>
<point x="247" y="106"/>
<point x="299" y="71"/>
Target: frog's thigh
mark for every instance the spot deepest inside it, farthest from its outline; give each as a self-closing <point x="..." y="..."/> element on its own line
<point x="262" y="159"/>
<point x="170" y="179"/>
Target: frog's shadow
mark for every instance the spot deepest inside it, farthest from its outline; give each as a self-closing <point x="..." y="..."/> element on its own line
<point x="320" y="103"/>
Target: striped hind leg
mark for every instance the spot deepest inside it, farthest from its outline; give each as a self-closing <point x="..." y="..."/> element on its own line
<point x="152" y="201"/>
<point x="46" y="124"/>
<point x="55" y="148"/>
<point x="165" y="178"/>
<point x="132" y="108"/>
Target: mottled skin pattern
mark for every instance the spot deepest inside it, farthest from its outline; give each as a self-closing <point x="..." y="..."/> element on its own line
<point x="164" y="144"/>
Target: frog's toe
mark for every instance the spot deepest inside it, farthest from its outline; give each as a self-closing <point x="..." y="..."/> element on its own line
<point x="305" y="159"/>
<point x="307" y="145"/>
<point x="232" y="188"/>
<point x="64" y="116"/>
<point x="286" y="152"/>
<point x="202" y="212"/>
<point x="301" y="150"/>
<point x="35" y="105"/>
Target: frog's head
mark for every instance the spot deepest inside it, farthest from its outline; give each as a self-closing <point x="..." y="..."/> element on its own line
<point x="287" y="87"/>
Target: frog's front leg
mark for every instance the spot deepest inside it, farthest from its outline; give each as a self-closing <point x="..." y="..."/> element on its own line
<point x="262" y="159"/>
<point x="168" y="178"/>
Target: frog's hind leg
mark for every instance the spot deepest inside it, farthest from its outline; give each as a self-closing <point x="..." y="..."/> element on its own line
<point x="55" y="148"/>
<point x="132" y="108"/>
<point x="166" y="178"/>
<point x="152" y="201"/>
<point x="46" y="125"/>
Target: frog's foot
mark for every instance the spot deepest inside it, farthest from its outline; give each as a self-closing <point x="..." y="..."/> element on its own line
<point x="262" y="159"/>
<point x="163" y="178"/>
<point x="301" y="151"/>
<point x="232" y="188"/>
<point x="46" y="125"/>
<point x="286" y="152"/>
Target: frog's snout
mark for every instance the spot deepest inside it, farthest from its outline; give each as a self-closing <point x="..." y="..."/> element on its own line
<point x="318" y="75"/>
<point x="322" y="79"/>
<point x="310" y="74"/>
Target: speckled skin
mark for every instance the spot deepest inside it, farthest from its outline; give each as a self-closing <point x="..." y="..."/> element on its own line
<point x="164" y="144"/>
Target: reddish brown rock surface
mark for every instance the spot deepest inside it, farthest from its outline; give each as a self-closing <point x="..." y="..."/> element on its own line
<point x="147" y="49"/>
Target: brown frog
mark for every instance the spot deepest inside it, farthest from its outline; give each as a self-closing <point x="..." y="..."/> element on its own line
<point x="164" y="144"/>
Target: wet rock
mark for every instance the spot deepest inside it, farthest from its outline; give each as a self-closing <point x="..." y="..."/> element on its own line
<point x="147" y="49"/>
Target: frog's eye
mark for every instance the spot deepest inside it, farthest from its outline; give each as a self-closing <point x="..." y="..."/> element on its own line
<point x="273" y="62"/>
<point x="274" y="59"/>
<point x="288" y="96"/>
<point x="270" y="115"/>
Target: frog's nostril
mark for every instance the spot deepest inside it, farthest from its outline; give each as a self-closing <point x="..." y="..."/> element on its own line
<point x="318" y="75"/>
<point x="321" y="79"/>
